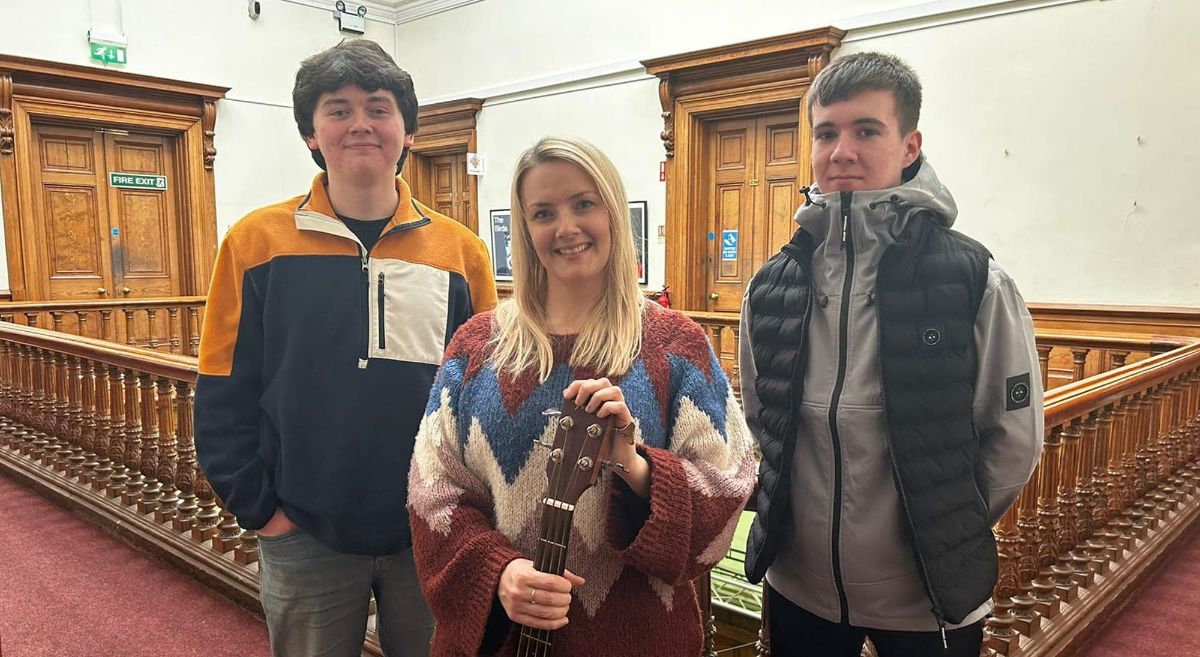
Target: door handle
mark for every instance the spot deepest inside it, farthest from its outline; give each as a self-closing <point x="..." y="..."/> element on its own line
<point x="714" y="296"/>
<point x="126" y="291"/>
<point x="101" y="291"/>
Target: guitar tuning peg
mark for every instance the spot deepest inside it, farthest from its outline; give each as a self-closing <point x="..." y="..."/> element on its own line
<point x="552" y="411"/>
<point x="541" y="443"/>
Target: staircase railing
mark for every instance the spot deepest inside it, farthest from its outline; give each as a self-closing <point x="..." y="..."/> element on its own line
<point x="169" y="324"/>
<point x="108" y="428"/>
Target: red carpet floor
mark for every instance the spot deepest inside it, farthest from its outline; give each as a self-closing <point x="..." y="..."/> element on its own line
<point x="69" y="590"/>
<point x="1162" y="619"/>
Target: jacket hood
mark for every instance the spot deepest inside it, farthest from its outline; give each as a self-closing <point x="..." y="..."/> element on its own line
<point x="921" y="191"/>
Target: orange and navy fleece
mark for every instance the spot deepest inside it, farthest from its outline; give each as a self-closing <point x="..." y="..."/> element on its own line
<point x="477" y="478"/>
<point x="317" y="357"/>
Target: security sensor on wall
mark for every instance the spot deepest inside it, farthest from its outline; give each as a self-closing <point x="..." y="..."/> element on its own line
<point x="255" y="9"/>
<point x="355" y="23"/>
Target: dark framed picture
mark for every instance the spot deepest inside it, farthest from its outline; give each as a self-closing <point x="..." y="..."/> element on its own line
<point x="638" y="220"/>
<point x="501" y="225"/>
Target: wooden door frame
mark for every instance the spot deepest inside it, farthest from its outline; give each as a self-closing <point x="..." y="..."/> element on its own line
<point x="50" y="92"/>
<point x="743" y="78"/>
<point x="444" y="129"/>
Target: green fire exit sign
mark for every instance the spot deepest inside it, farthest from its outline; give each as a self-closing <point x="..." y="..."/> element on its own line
<point x="136" y="181"/>
<point x="108" y="53"/>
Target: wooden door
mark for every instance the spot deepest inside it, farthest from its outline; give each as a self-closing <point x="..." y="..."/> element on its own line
<point x="96" y="241"/>
<point x="753" y="170"/>
<point x="449" y="188"/>
<point x="142" y="222"/>
<point x="71" y="203"/>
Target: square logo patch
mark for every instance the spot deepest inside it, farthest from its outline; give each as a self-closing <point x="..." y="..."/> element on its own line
<point x="1017" y="392"/>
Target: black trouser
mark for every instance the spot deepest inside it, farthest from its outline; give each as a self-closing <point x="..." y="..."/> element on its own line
<point x="797" y="633"/>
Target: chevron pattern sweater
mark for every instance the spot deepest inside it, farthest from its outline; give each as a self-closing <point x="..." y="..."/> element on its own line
<point x="477" y="479"/>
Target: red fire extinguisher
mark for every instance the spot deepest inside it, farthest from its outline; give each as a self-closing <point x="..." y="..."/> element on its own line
<point x="664" y="297"/>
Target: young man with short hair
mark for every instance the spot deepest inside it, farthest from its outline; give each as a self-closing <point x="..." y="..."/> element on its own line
<point x="889" y="373"/>
<point x="325" y="324"/>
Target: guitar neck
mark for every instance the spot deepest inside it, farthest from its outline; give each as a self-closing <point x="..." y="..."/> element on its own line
<point x="554" y="537"/>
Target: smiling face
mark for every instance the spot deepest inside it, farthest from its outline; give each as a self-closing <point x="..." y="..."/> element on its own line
<point x="858" y="144"/>
<point x="569" y="225"/>
<point x="361" y="134"/>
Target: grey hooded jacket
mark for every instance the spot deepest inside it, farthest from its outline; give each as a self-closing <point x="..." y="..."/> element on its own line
<point x="879" y="571"/>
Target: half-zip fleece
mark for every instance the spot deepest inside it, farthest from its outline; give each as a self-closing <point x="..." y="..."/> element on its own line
<point x="297" y="403"/>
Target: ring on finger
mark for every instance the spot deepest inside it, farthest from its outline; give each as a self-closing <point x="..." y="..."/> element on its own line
<point x="532" y="593"/>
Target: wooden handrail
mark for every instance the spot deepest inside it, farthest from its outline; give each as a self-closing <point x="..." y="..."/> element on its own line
<point x="1094" y="393"/>
<point x="72" y="306"/>
<point x="171" y="366"/>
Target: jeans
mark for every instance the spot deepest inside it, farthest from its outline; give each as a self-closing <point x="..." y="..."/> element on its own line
<point x="316" y="599"/>
<point x="798" y="633"/>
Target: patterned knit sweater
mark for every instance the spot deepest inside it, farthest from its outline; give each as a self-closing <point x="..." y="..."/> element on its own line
<point x="477" y="480"/>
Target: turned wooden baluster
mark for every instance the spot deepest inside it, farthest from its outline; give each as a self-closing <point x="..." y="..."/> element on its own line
<point x="167" y="457"/>
<point x="1079" y="363"/>
<point x="80" y="446"/>
<point x="22" y="399"/>
<point x="1146" y="458"/>
<point x="104" y="436"/>
<point x="42" y="401"/>
<point x="174" y="329"/>
<point x="31" y="319"/>
<point x="1134" y="429"/>
<point x="1000" y="632"/>
<point x="8" y="436"/>
<point x="186" y="473"/>
<point x="47" y="424"/>
<point x="1116" y="359"/>
<point x="229" y="534"/>
<point x="152" y="323"/>
<point x="1106" y="498"/>
<point x="193" y="331"/>
<point x="81" y="319"/>
<point x="1082" y="555"/>
<point x="1025" y="614"/>
<point x="148" y="416"/>
<point x="1043" y="352"/>
<point x="1046" y="585"/>
<point x="108" y="330"/>
<point x="90" y="438"/>
<point x="1067" y="534"/>
<point x="62" y="406"/>
<point x="56" y="317"/>
<point x="117" y="451"/>
<point x="129" y="331"/>
<point x="133" y="440"/>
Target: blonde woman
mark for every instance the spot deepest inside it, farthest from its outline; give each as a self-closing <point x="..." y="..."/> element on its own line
<point x="578" y="327"/>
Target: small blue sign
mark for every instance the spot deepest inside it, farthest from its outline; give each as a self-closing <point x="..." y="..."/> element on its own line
<point x="729" y="245"/>
<point x="116" y="232"/>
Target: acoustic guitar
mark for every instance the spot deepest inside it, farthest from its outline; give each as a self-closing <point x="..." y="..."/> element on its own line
<point x="577" y="455"/>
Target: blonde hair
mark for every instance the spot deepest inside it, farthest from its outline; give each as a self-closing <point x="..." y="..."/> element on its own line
<point x="612" y="335"/>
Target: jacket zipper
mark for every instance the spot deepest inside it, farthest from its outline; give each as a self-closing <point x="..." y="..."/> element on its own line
<point x="887" y="437"/>
<point x="380" y="309"/>
<point x="364" y="332"/>
<point x="843" y="340"/>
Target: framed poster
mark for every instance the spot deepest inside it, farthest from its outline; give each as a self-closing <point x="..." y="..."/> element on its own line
<point x="501" y="223"/>
<point x="638" y="219"/>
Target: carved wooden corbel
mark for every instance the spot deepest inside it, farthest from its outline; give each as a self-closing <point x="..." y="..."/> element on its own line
<point x="668" y="116"/>
<point x="208" y="121"/>
<point x="7" y="130"/>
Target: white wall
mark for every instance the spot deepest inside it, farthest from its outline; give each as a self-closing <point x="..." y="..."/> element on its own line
<point x="1032" y="116"/>
<point x="1066" y="90"/>
<point x="260" y="156"/>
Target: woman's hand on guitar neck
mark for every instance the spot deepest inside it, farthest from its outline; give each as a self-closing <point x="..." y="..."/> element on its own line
<point x="606" y="400"/>
<point x="533" y="598"/>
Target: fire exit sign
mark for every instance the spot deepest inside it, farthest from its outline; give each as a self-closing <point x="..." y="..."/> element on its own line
<point x="108" y="53"/>
<point x="137" y="181"/>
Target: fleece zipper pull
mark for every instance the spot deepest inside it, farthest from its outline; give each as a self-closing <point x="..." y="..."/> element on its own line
<point x="942" y="628"/>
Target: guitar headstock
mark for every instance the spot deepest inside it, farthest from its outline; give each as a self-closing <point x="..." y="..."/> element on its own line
<point x="581" y="442"/>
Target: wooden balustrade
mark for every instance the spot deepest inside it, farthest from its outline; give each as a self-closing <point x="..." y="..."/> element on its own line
<point x="109" y="427"/>
<point x="170" y="325"/>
